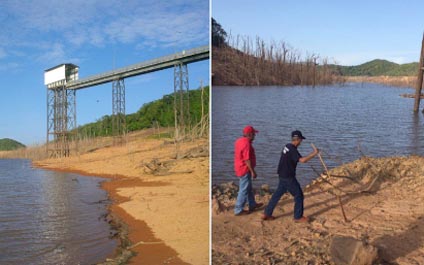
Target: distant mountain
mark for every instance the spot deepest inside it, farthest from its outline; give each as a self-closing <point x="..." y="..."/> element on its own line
<point x="7" y="144"/>
<point x="378" y="67"/>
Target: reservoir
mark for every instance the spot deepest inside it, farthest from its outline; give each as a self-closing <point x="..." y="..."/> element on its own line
<point x="344" y="121"/>
<point x="49" y="217"/>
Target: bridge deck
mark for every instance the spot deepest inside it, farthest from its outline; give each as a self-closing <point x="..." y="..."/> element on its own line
<point x="189" y="56"/>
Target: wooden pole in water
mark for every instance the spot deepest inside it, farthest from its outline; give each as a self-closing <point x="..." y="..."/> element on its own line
<point x="315" y="71"/>
<point x="419" y="79"/>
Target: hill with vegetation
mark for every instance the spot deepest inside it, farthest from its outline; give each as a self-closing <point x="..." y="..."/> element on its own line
<point x="378" y="67"/>
<point x="7" y="144"/>
<point x="158" y="113"/>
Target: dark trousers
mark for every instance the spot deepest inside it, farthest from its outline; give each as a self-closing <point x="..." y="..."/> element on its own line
<point x="291" y="185"/>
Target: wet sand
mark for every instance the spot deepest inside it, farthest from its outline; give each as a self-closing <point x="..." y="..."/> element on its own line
<point x="162" y="200"/>
<point x="152" y="250"/>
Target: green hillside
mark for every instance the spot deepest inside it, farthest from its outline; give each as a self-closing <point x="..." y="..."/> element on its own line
<point x="7" y="144"/>
<point x="378" y="68"/>
<point x="159" y="112"/>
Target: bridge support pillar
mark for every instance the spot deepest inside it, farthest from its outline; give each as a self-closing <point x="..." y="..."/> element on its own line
<point x="61" y="121"/>
<point x="181" y="100"/>
<point x="118" y="109"/>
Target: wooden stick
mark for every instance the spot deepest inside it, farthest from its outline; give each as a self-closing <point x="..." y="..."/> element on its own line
<point x="328" y="174"/>
<point x="341" y="207"/>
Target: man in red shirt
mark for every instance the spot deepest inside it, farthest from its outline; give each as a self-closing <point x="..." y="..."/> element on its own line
<point x="244" y="167"/>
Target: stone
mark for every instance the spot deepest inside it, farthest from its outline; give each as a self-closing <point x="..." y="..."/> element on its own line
<point x="350" y="251"/>
<point x="217" y="207"/>
<point x="265" y="187"/>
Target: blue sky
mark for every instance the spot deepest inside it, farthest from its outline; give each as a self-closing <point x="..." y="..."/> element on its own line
<point x="347" y="32"/>
<point x="97" y="36"/>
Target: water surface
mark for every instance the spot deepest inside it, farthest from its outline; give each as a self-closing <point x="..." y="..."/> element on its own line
<point x="49" y="217"/>
<point x="340" y="120"/>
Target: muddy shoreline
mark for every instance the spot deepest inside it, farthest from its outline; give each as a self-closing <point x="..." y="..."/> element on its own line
<point x="154" y="187"/>
<point x="137" y="242"/>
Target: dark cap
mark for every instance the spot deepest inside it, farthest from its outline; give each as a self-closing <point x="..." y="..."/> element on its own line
<point x="297" y="134"/>
<point x="249" y="129"/>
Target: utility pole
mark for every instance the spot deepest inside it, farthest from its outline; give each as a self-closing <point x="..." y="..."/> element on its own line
<point x="419" y="79"/>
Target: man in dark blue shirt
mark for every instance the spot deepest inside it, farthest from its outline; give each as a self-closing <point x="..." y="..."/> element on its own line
<point x="290" y="156"/>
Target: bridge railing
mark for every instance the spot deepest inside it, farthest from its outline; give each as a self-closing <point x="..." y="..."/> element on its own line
<point x="192" y="55"/>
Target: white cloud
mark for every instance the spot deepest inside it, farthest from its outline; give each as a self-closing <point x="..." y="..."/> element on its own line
<point x="164" y="28"/>
<point x="44" y="15"/>
<point x="56" y="54"/>
<point x="9" y="66"/>
<point x="2" y="53"/>
<point x="95" y="22"/>
<point x="53" y="32"/>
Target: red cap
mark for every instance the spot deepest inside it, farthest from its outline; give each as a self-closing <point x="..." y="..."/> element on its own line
<point x="249" y="129"/>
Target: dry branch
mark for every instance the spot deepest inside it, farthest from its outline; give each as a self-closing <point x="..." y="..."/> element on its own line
<point x="337" y="196"/>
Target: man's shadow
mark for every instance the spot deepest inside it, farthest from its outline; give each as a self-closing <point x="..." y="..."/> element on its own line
<point x="332" y="200"/>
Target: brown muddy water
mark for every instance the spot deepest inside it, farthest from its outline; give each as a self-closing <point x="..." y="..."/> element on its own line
<point x="49" y="217"/>
<point x="344" y="121"/>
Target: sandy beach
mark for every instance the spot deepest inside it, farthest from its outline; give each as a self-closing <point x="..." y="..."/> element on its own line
<point x="384" y="204"/>
<point x="160" y="193"/>
<point x="396" y="81"/>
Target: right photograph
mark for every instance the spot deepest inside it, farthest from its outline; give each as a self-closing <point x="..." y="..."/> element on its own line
<point x="317" y="133"/>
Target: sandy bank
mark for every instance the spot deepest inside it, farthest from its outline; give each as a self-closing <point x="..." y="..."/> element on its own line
<point x="163" y="200"/>
<point x="397" y="81"/>
<point x="388" y="214"/>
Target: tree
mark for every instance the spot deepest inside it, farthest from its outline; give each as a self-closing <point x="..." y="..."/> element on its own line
<point x="218" y="34"/>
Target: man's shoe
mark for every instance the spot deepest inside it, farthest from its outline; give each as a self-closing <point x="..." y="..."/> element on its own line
<point x="267" y="217"/>
<point x="302" y="219"/>
<point x="258" y="205"/>
<point x="244" y="212"/>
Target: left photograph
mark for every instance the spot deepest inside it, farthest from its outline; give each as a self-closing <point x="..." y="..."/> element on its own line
<point x="104" y="137"/>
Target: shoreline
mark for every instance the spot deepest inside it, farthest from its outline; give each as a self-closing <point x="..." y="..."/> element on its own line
<point x="394" y="81"/>
<point x="155" y="187"/>
<point x="129" y="229"/>
<point x="404" y="82"/>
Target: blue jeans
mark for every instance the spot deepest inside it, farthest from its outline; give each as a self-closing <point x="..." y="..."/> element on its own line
<point x="291" y="185"/>
<point x="245" y="194"/>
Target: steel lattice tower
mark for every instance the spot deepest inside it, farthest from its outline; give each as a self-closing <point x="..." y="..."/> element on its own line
<point x="118" y="108"/>
<point x="61" y="109"/>
<point x="61" y="120"/>
<point x="181" y="100"/>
